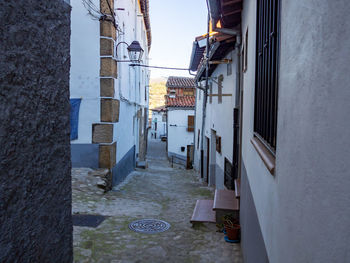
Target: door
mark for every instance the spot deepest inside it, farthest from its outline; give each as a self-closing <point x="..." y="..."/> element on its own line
<point x="208" y="155"/>
<point x="189" y="159"/>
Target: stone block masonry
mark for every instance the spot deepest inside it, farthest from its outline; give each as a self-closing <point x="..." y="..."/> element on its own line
<point x="107" y="87"/>
<point x="35" y="180"/>
<point x="106" y="6"/>
<point x="106" y="47"/>
<point x="107" y="155"/>
<point x="108" y="67"/>
<point x="107" y="29"/>
<point x="109" y="110"/>
<point x="102" y="133"/>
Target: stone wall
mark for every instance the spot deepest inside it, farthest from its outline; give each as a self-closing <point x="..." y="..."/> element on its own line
<point x="35" y="176"/>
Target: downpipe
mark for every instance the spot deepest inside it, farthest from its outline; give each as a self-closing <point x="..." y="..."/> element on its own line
<point x="236" y="113"/>
<point x="205" y="97"/>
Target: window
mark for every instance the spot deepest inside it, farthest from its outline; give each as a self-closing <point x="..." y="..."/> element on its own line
<point x="228" y="176"/>
<point x="266" y="73"/>
<point x="164" y="117"/>
<point x="218" y="144"/>
<point x="210" y="92"/>
<point x="220" y="80"/>
<point x="172" y="93"/>
<point x="245" y="52"/>
<point x="198" y="137"/>
<point x="229" y="69"/>
<point x="188" y="92"/>
<point x="190" y="123"/>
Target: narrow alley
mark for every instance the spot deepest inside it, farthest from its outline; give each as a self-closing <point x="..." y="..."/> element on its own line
<point x="159" y="192"/>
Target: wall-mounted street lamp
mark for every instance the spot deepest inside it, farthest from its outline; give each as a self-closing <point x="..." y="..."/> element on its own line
<point x="135" y="52"/>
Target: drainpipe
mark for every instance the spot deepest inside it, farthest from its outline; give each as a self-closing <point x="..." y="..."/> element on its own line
<point x="195" y="124"/>
<point x="236" y="114"/>
<point x="205" y="96"/>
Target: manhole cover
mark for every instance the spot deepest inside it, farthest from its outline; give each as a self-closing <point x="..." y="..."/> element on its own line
<point x="149" y="226"/>
<point x="88" y="220"/>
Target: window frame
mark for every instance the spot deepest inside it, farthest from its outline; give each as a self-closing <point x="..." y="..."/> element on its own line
<point x="267" y="72"/>
<point x="190" y="128"/>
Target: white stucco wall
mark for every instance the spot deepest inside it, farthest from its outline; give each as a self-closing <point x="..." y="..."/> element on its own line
<point x="157" y="117"/>
<point x="219" y="117"/>
<point x="178" y="136"/>
<point x="131" y="85"/>
<point x="132" y="81"/>
<point x="85" y="68"/>
<point x="198" y="127"/>
<point x="303" y="210"/>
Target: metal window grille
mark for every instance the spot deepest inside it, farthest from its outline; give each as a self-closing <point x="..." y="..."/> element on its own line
<point x="266" y="74"/>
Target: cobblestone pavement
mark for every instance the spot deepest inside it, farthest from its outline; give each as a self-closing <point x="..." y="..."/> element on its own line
<point x="159" y="192"/>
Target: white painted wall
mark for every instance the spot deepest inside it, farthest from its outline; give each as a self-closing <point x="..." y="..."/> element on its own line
<point x="85" y="68"/>
<point x="198" y="127"/>
<point x="303" y="210"/>
<point x="178" y="136"/>
<point x="132" y="82"/>
<point x="131" y="86"/>
<point x="157" y="117"/>
<point x="219" y="117"/>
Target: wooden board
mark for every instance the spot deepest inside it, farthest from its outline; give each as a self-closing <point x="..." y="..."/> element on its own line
<point x="225" y="200"/>
<point x="203" y="212"/>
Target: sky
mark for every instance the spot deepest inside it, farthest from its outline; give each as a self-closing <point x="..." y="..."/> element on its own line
<point x="174" y="26"/>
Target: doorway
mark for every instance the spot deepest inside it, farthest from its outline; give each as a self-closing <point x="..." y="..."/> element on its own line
<point x="208" y="155"/>
<point x="212" y="165"/>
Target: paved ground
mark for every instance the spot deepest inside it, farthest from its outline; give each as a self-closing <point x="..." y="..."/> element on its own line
<point x="159" y="192"/>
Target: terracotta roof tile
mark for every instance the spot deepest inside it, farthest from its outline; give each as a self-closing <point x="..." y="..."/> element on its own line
<point x="180" y="82"/>
<point x="181" y="101"/>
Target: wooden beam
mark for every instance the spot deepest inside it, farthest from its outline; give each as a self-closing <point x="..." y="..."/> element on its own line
<point x="225" y="3"/>
<point x="215" y="95"/>
<point x="232" y="12"/>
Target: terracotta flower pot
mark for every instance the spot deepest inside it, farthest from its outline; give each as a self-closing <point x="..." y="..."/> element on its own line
<point x="232" y="231"/>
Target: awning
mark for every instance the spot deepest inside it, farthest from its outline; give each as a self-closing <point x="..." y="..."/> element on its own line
<point x="218" y="51"/>
<point x="198" y="48"/>
<point x="227" y="12"/>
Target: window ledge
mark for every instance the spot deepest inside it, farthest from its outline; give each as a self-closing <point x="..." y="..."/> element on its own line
<point x="268" y="159"/>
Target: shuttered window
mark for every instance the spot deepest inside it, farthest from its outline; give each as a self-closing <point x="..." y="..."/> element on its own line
<point x="220" y="80"/>
<point x="266" y="82"/>
<point x="190" y="121"/>
<point x="210" y="92"/>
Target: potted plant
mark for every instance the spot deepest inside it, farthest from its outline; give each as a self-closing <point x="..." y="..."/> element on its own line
<point x="232" y="227"/>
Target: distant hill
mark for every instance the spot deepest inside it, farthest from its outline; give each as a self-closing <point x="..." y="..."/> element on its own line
<point x="158" y="80"/>
<point x="157" y="91"/>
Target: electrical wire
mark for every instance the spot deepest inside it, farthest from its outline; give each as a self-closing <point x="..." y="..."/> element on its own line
<point x="148" y="66"/>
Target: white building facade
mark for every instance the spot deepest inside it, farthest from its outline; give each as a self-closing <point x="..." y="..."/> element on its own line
<point x="180" y="102"/>
<point x="218" y="128"/>
<point x="292" y="147"/>
<point x="159" y="123"/>
<point x="112" y="119"/>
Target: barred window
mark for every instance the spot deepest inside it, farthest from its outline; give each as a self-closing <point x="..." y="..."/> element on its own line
<point x="266" y="73"/>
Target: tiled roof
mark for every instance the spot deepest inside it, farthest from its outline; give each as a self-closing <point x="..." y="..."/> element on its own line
<point x="145" y="11"/>
<point x="181" y="101"/>
<point x="160" y="108"/>
<point x="180" y="82"/>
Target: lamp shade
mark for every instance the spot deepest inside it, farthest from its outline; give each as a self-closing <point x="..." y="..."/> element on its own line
<point x="135" y="51"/>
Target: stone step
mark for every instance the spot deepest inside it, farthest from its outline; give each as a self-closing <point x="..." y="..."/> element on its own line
<point x="203" y="212"/>
<point x="141" y="164"/>
<point x="225" y="200"/>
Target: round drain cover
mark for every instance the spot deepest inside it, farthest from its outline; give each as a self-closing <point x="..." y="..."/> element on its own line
<point x="149" y="226"/>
